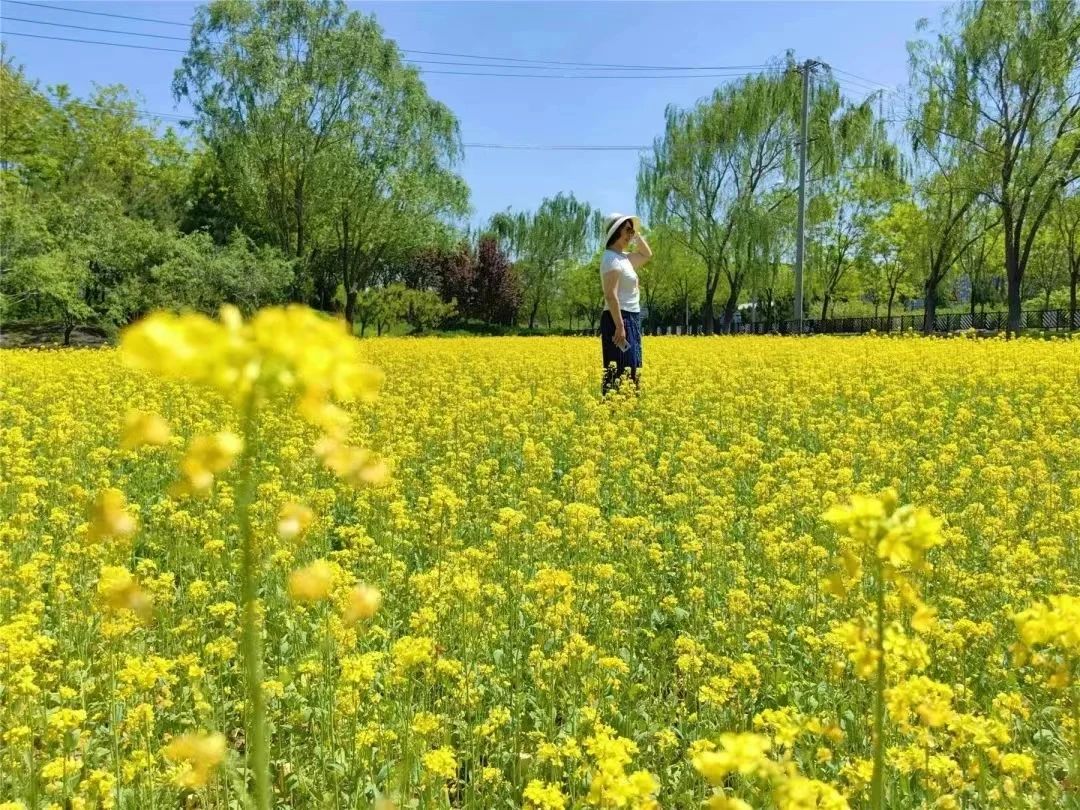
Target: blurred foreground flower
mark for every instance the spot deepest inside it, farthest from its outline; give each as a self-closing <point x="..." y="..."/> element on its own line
<point x="363" y="602"/>
<point x="287" y="353"/>
<point x="312" y="583"/>
<point x="293" y="520"/>
<point x="109" y="517"/>
<point x="198" y="755"/>
<point x="206" y="457"/>
<point x="119" y="590"/>
<point x="891" y="541"/>
<point x="291" y="350"/>
<point x="144" y="429"/>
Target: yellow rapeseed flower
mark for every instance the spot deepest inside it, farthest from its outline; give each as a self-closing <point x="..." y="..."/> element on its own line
<point x="142" y="428"/>
<point x="197" y="755"/>
<point x="109" y="517"/>
<point x="293" y="520"/>
<point x="119" y="590"/>
<point x="363" y="602"/>
<point x="312" y="583"/>
<point x="744" y="754"/>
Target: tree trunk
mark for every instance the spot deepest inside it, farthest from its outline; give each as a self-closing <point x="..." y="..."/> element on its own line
<point x="930" y="307"/>
<point x="825" y="307"/>
<point x="298" y="210"/>
<point x="350" y="308"/>
<point x="686" y="311"/>
<point x="730" y="306"/>
<point x="707" y="313"/>
<point x="888" y="309"/>
<point x="532" y="315"/>
<point x="1072" y="296"/>
<point x="1015" y="277"/>
<point x="69" y="327"/>
<point x="973" y="302"/>
<point x="1014" y="303"/>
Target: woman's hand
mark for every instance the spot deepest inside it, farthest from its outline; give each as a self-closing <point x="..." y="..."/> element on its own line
<point x="642" y="252"/>
<point x="620" y="335"/>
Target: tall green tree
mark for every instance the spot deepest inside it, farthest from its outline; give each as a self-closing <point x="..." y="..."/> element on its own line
<point x="673" y="281"/>
<point x="772" y="279"/>
<point x="545" y="243"/>
<point x="89" y="201"/>
<point x="863" y="177"/>
<point x="893" y="250"/>
<point x="323" y="132"/>
<point x="1001" y="88"/>
<point x="981" y="263"/>
<point x="713" y="175"/>
<point x="581" y="292"/>
<point x="1048" y="270"/>
<point x="949" y="189"/>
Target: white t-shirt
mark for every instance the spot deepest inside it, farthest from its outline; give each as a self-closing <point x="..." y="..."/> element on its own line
<point x="626" y="291"/>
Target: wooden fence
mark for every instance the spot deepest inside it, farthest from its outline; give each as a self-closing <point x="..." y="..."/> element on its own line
<point x="1044" y="319"/>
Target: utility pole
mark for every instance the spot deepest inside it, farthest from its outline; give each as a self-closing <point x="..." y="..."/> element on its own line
<point x="800" y="238"/>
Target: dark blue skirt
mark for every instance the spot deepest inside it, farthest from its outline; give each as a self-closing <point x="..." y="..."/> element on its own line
<point x="616" y="361"/>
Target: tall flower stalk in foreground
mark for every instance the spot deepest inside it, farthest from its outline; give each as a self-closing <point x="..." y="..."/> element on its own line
<point x="1050" y="641"/>
<point x="289" y="353"/>
<point x="895" y="539"/>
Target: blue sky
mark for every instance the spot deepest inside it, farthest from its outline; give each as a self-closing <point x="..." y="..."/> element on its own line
<point x="863" y="38"/>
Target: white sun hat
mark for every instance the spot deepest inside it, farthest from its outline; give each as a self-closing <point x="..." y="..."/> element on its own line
<point x="612" y="222"/>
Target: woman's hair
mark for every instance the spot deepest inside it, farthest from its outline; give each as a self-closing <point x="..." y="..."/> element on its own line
<point x="617" y="234"/>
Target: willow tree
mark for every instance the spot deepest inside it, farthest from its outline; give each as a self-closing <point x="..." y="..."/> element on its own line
<point x="672" y="282"/>
<point x="891" y="242"/>
<point x="772" y="282"/>
<point x="1000" y="92"/>
<point x="981" y="263"/>
<point x="546" y="242"/>
<point x="862" y="177"/>
<point x="713" y="175"/>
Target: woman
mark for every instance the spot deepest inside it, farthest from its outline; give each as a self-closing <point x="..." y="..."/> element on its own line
<point x="620" y="325"/>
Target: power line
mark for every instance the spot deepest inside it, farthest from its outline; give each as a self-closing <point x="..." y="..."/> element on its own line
<point x="92" y="41"/>
<point x="90" y="28"/>
<point x="635" y="76"/>
<point x="455" y="55"/>
<point x="138" y="113"/>
<point x="734" y="70"/>
<point x="412" y="62"/>
<point x="451" y="54"/>
<point x="185" y="39"/>
<point x="585" y="64"/>
<point x="863" y="79"/>
<point x="407" y="61"/>
<point x="852" y="82"/>
<point x="97" y="13"/>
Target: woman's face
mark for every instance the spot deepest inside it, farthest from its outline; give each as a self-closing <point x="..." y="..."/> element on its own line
<point x="626" y="233"/>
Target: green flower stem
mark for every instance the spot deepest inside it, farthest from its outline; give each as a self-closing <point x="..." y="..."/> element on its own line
<point x="251" y="641"/>
<point x="877" y="785"/>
